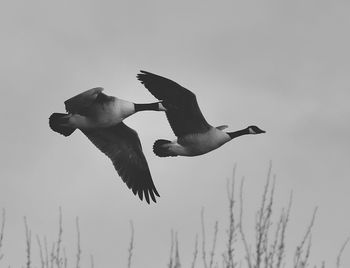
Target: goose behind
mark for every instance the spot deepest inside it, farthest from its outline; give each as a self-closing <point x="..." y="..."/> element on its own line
<point x="100" y="117"/>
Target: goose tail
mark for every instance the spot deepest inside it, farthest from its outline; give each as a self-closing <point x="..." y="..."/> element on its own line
<point x="58" y="122"/>
<point x="161" y="148"/>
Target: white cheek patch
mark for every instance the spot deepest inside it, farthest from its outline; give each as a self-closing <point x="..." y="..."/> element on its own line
<point x="251" y="131"/>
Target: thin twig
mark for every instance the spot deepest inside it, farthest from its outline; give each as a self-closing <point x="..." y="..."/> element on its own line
<point x="46" y="253"/>
<point x="78" y="255"/>
<point x="212" y="253"/>
<point x="341" y="251"/>
<point x="203" y="240"/>
<point x="195" y="253"/>
<point x="240" y="225"/>
<point x="131" y="245"/>
<point x="231" y="232"/>
<point x="263" y="216"/>
<point x="59" y="240"/>
<point x="65" y="261"/>
<point x="281" y="246"/>
<point x="28" y="234"/>
<point x="42" y="262"/>
<point x="3" y="219"/>
<point x="177" y="255"/>
<point x="52" y="254"/>
<point x="299" y="260"/>
<point x="170" y="265"/>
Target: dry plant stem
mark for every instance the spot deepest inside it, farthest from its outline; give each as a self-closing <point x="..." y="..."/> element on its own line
<point x="52" y="255"/>
<point x="41" y="255"/>
<point x="65" y="261"/>
<point x="231" y="233"/>
<point x="3" y="219"/>
<point x="273" y="251"/>
<point x="205" y="265"/>
<point x="78" y="244"/>
<point x="131" y="245"/>
<point x="170" y="265"/>
<point x="301" y="253"/>
<point x="212" y="253"/>
<point x="263" y="221"/>
<point x="177" y="255"/>
<point x="28" y="242"/>
<point x="46" y="253"/>
<point x="195" y="253"/>
<point x="341" y="252"/>
<point x="240" y="227"/>
<point x="284" y="219"/>
<point x="59" y="241"/>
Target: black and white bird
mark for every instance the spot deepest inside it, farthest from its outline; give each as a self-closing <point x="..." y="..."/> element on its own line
<point x="100" y="118"/>
<point x="195" y="136"/>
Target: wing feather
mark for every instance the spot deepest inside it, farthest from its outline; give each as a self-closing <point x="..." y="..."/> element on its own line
<point x="122" y="145"/>
<point x="183" y="112"/>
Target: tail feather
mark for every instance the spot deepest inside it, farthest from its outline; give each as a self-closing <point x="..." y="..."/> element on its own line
<point x="57" y="123"/>
<point x="161" y="148"/>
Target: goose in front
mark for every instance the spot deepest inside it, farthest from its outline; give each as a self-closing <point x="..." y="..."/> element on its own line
<point x="100" y="117"/>
<point x="195" y="136"/>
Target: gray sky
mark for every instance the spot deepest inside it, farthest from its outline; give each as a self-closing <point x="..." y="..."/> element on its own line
<point x="282" y="65"/>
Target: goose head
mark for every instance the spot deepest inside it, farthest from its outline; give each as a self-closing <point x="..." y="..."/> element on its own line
<point x="255" y="130"/>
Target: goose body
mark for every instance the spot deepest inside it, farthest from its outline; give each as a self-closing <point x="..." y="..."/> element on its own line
<point x="198" y="143"/>
<point x="195" y="136"/>
<point x="97" y="110"/>
<point x="100" y="117"/>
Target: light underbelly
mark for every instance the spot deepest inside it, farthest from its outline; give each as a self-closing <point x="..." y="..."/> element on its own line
<point x="198" y="144"/>
<point x="102" y="116"/>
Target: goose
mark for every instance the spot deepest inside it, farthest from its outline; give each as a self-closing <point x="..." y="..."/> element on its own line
<point x="195" y="136"/>
<point x="100" y="117"/>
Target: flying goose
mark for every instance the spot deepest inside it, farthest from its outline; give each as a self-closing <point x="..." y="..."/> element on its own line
<point x="195" y="136"/>
<point x="100" y="118"/>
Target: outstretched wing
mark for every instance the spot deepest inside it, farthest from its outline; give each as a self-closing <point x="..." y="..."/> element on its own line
<point x="183" y="112"/>
<point x="82" y="101"/>
<point x="122" y="145"/>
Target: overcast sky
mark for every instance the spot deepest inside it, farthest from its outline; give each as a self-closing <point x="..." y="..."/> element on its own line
<point x="281" y="65"/>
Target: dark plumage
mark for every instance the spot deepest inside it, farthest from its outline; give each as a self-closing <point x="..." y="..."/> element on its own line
<point x="195" y="136"/>
<point x="100" y="117"/>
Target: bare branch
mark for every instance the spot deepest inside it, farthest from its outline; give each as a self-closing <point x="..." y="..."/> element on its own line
<point x="231" y="232"/>
<point x="170" y="265"/>
<point x="78" y="244"/>
<point x="52" y="255"/>
<point x="341" y="252"/>
<point x="42" y="262"/>
<point x="46" y="253"/>
<point x="300" y="261"/>
<point x="131" y="245"/>
<point x="212" y="253"/>
<point x="177" y="255"/>
<point x="203" y="240"/>
<point x="285" y="220"/>
<point x="65" y="261"/>
<point x="3" y="219"/>
<point x="28" y="235"/>
<point x="59" y="240"/>
<point x="240" y="225"/>
<point x="263" y="218"/>
<point x="195" y="253"/>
